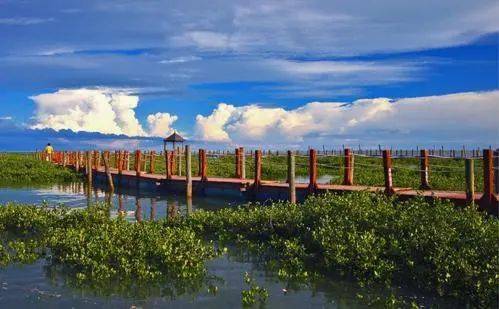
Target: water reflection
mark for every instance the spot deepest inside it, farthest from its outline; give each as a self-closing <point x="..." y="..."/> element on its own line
<point x="28" y="283"/>
<point x="138" y="210"/>
<point x="322" y="179"/>
<point x="153" y="209"/>
<point x="129" y="203"/>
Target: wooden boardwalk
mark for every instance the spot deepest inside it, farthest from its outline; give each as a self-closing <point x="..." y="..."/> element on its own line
<point x="273" y="188"/>
<point x="256" y="188"/>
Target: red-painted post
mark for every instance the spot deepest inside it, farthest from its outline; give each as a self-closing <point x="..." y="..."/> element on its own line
<point x="291" y="177"/>
<point x="348" y="161"/>
<point x="387" y="168"/>
<point x="258" y="169"/>
<point x="143" y="162"/>
<point x="116" y="154"/>
<point x="119" y="162"/>
<point x="126" y="160"/>
<point x="242" y="162"/>
<point x="168" y="164"/>
<point x="424" y="168"/>
<point x="138" y="161"/>
<point x="77" y="162"/>
<point x="107" y="155"/>
<point x="488" y="201"/>
<point x="173" y="160"/>
<point x="312" y="170"/>
<point x="200" y="154"/>
<point x="94" y="155"/>
<point x="152" y="158"/>
<point x="97" y="159"/>
<point x="238" y="165"/>
<point x="496" y="170"/>
<point x="204" y="165"/>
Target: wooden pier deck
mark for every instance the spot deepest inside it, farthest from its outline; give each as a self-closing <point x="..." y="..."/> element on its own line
<point x="267" y="189"/>
<point x="139" y="177"/>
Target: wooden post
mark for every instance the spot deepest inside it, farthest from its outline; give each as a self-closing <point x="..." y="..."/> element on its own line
<point x="242" y="162"/>
<point x="387" y="167"/>
<point x="97" y="159"/>
<point x="89" y="167"/>
<point x="138" y="159"/>
<point x="258" y="170"/>
<point x="179" y="153"/>
<point x="173" y="161"/>
<point x="200" y="154"/>
<point x="188" y="171"/>
<point x="469" y="169"/>
<point x="312" y="170"/>
<point x="143" y="162"/>
<point x="424" y="169"/>
<point x="496" y="170"/>
<point x="203" y="165"/>
<point x="108" y="156"/>
<point x="126" y="167"/>
<point x="123" y="160"/>
<point x="238" y="166"/>
<point x="105" y="157"/>
<point x="153" y="209"/>
<point x="116" y="154"/>
<point x="168" y="164"/>
<point x="77" y="162"/>
<point x="152" y="158"/>
<point x="138" y="209"/>
<point x="80" y="158"/>
<point x="119" y="162"/>
<point x="348" y="161"/>
<point x="291" y="177"/>
<point x="488" y="201"/>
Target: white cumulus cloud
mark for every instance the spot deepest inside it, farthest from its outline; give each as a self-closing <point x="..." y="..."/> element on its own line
<point x="469" y="117"/>
<point x="108" y="111"/>
<point x="160" y="124"/>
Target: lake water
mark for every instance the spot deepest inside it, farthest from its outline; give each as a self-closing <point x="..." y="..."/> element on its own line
<point x="36" y="286"/>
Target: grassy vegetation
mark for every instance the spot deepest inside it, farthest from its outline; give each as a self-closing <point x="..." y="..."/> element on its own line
<point x="376" y="239"/>
<point x="445" y="174"/>
<point x="433" y="247"/>
<point x="93" y="250"/>
<point x="25" y="169"/>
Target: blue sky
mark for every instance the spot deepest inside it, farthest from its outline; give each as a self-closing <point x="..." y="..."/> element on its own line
<point x="123" y="67"/>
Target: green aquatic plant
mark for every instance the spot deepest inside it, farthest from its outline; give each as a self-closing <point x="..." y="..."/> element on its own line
<point x="254" y="293"/>
<point x="93" y="249"/>
<point x="430" y="245"/>
<point x="374" y="239"/>
<point x="24" y="169"/>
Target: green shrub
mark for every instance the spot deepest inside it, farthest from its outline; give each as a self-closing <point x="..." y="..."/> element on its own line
<point x="430" y="245"/>
<point x="25" y="170"/>
<point x="97" y="250"/>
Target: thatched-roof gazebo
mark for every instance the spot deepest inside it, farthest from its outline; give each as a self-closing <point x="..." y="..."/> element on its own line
<point x="174" y="139"/>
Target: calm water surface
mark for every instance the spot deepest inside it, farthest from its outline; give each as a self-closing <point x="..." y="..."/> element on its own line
<point x="37" y="286"/>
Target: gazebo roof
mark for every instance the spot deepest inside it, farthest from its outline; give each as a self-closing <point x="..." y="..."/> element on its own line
<point x="175" y="137"/>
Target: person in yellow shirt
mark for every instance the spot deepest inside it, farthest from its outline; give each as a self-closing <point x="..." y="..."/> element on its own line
<point x="48" y="152"/>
